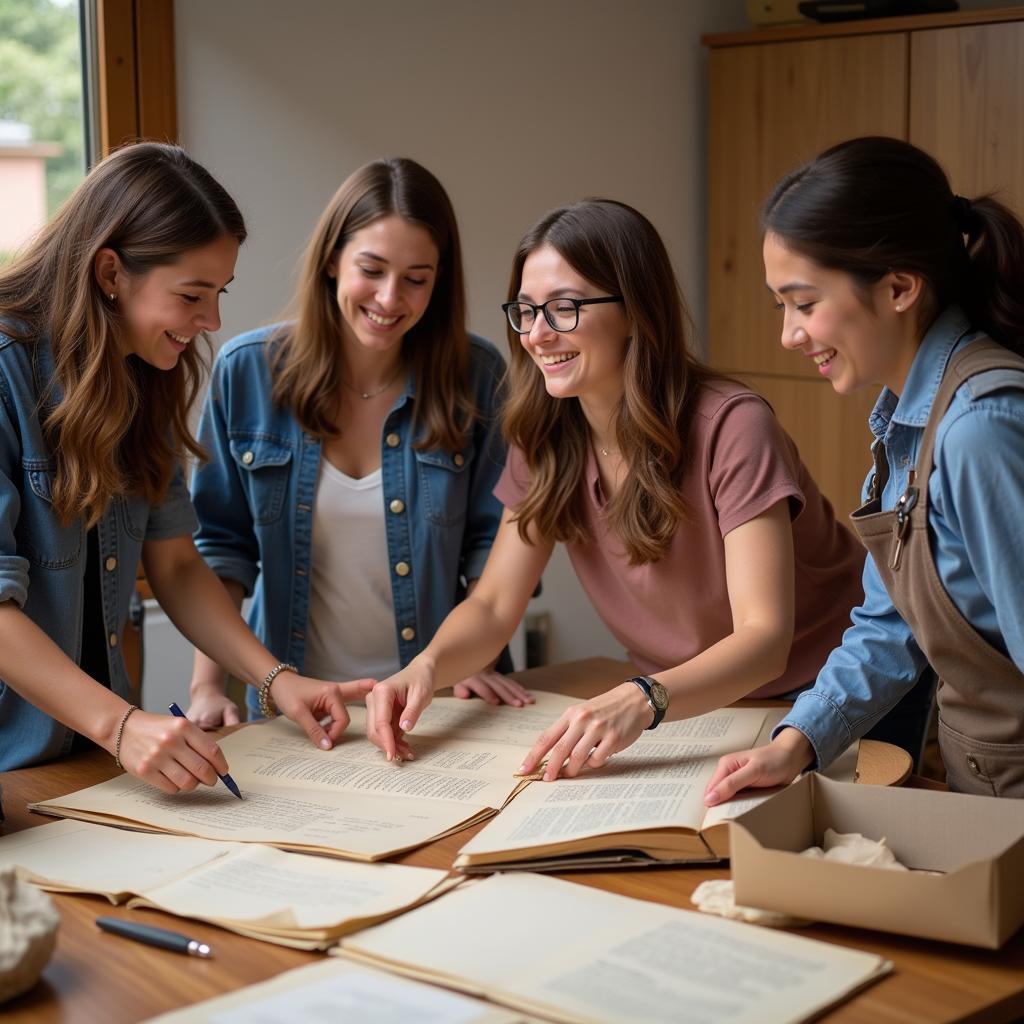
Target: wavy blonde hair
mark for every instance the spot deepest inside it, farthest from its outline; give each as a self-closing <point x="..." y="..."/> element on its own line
<point x="618" y="251"/>
<point x="304" y="354"/>
<point x="115" y="425"/>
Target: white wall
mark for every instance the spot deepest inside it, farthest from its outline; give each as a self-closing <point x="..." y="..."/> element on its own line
<point x="283" y="100"/>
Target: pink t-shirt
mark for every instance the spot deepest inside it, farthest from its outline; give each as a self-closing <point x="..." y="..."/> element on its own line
<point x="669" y="611"/>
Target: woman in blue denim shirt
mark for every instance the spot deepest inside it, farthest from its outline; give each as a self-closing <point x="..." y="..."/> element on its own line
<point x="355" y="447"/>
<point x="100" y="315"/>
<point x="884" y="275"/>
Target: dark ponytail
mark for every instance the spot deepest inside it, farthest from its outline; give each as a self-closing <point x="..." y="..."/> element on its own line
<point x="872" y="205"/>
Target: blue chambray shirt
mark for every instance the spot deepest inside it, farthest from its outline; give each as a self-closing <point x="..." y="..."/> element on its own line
<point x="255" y="495"/>
<point x="42" y="562"/>
<point x="976" y="497"/>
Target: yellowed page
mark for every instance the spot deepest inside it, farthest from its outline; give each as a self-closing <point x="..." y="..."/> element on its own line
<point x="75" y="856"/>
<point x="447" y="767"/>
<point x="502" y="725"/>
<point x="656" y="783"/>
<point x="344" y="824"/>
<point x="334" y="991"/>
<point x="628" y="960"/>
<point x="260" y="885"/>
<point x="348" y="801"/>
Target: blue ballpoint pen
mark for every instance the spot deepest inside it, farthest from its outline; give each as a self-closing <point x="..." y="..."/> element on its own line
<point x="226" y="779"/>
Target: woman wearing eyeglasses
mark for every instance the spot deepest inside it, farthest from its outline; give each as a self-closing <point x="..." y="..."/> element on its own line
<point x="695" y="529"/>
<point x="355" y="449"/>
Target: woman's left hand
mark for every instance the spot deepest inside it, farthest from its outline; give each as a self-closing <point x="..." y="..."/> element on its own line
<point x="588" y="734"/>
<point x="494" y="688"/>
<point x="307" y="701"/>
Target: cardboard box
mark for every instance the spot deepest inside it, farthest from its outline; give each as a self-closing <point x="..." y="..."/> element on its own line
<point x="977" y="842"/>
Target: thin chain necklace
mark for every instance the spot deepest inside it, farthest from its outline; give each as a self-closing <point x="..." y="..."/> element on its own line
<point x="379" y="391"/>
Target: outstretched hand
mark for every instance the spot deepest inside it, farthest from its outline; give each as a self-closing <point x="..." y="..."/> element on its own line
<point x="307" y="702"/>
<point x="776" y="764"/>
<point x="588" y="734"/>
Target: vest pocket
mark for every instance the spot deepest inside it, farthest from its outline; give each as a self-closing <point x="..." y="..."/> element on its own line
<point x="263" y="465"/>
<point x="981" y="768"/>
<point x="42" y="538"/>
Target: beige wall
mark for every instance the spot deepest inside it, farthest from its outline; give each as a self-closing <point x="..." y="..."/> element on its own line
<point x="283" y="100"/>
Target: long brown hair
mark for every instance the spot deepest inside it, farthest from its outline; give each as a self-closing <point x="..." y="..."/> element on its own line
<point x="618" y="251"/>
<point x="115" y="424"/>
<point x="305" y="355"/>
<point x="874" y="204"/>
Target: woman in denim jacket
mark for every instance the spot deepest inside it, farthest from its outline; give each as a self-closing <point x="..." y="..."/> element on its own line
<point x="99" y="317"/>
<point x="884" y="275"/>
<point x="355" y="447"/>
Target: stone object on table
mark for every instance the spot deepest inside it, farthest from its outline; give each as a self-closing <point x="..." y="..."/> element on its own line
<point x="28" y="934"/>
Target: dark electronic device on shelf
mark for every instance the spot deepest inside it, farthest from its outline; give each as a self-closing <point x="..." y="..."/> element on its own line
<point x="847" y="10"/>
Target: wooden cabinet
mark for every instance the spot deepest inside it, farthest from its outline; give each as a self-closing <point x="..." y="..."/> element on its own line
<point x="952" y="84"/>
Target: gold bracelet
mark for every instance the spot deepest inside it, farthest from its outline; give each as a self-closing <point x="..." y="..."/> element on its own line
<point x="120" y="733"/>
<point x="267" y="706"/>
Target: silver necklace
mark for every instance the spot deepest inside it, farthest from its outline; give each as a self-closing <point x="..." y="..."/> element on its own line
<point x="379" y="391"/>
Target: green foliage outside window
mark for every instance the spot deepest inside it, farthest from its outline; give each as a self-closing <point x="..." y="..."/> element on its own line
<point x="41" y="84"/>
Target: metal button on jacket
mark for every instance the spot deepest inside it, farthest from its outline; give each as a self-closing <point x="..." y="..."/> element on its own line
<point x="392" y="440"/>
<point x="408" y="633"/>
<point x="247" y="458"/>
<point x="397" y="506"/>
<point x="402" y="568"/>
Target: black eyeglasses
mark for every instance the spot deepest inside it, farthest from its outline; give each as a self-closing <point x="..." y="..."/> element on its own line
<point x="562" y="314"/>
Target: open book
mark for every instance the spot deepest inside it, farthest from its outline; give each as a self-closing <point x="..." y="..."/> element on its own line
<point x="254" y="890"/>
<point x="644" y="808"/>
<point x="577" y="954"/>
<point x="346" y="802"/>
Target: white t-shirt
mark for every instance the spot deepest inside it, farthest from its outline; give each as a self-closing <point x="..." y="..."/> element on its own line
<point x="351" y="632"/>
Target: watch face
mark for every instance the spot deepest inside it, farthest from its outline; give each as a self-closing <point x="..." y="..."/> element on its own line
<point x="659" y="695"/>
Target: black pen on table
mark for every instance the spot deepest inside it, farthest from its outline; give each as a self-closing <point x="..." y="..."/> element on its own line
<point x="161" y="937"/>
<point x="225" y="778"/>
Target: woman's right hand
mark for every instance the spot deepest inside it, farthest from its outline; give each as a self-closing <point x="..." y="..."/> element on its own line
<point x="212" y="709"/>
<point x="170" y="753"/>
<point x="394" y="706"/>
<point x="777" y="764"/>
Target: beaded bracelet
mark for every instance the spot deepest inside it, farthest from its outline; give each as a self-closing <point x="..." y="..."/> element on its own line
<point x="267" y="706"/>
<point x="120" y="733"/>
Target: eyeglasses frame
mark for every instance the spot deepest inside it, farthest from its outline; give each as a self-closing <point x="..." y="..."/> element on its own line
<point x="543" y="308"/>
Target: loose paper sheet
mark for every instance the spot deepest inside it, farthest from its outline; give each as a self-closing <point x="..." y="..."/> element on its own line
<point x="627" y="959"/>
<point x="255" y="889"/>
<point x="334" y="992"/>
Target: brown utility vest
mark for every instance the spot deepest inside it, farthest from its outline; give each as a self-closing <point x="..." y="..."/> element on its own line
<point x="981" y="691"/>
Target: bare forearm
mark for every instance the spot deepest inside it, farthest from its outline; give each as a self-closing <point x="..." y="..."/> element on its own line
<point x="196" y="602"/>
<point x="207" y="675"/>
<point x="470" y="639"/>
<point x="727" y="671"/>
<point x="36" y="668"/>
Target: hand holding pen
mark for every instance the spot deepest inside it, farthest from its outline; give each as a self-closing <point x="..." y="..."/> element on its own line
<point x="174" y="755"/>
<point x="225" y="778"/>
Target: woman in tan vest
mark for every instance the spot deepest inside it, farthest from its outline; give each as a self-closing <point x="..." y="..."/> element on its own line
<point x="883" y="275"/>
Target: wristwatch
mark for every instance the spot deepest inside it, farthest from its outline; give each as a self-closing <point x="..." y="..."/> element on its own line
<point x="657" y="697"/>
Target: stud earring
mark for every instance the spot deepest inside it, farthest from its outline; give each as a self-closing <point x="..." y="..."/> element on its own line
<point x="899" y="309"/>
<point x="113" y="296"/>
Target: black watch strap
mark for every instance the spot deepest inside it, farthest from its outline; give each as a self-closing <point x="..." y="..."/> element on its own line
<point x="647" y="685"/>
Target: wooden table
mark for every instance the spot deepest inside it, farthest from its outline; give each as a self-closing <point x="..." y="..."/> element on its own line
<point x="98" y="977"/>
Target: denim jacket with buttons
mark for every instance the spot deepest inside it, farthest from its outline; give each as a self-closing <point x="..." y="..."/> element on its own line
<point x="42" y="561"/>
<point x="254" y="498"/>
